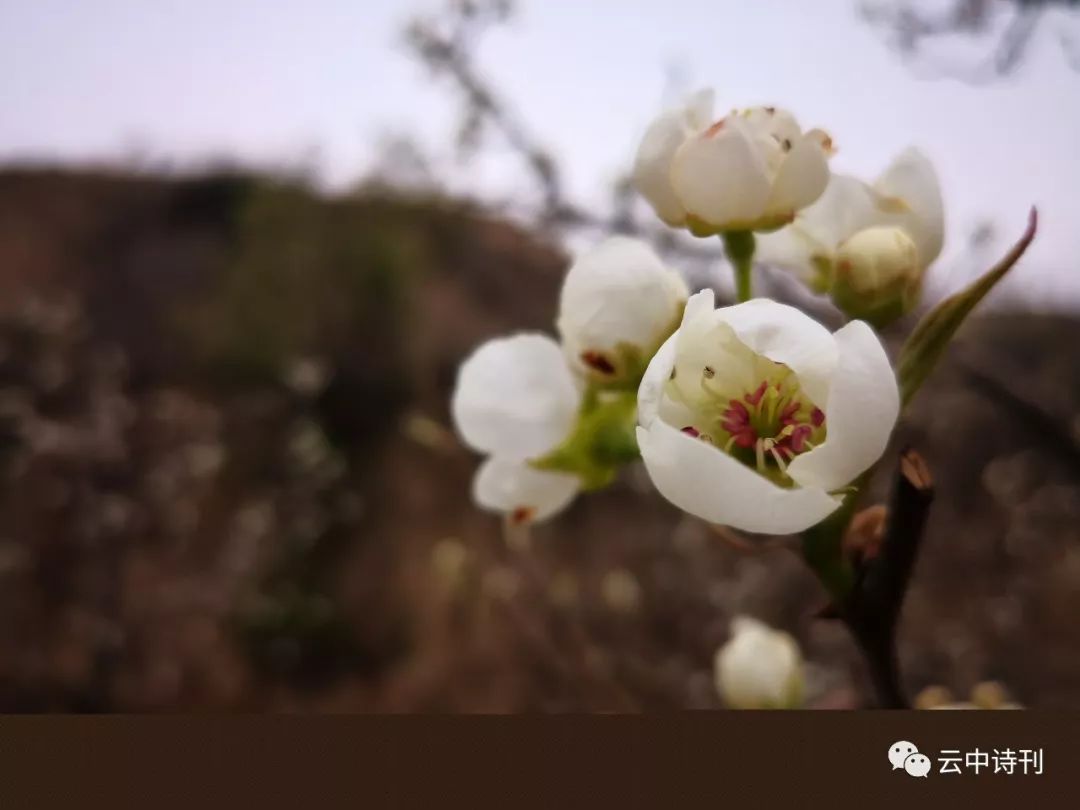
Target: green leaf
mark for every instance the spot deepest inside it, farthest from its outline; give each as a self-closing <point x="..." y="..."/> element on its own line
<point x="931" y="337"/>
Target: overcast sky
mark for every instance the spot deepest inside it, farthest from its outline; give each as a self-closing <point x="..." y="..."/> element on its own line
<point x="325" y="80"/>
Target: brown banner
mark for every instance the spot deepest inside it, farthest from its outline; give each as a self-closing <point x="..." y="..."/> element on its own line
<point x="814" y="759"/>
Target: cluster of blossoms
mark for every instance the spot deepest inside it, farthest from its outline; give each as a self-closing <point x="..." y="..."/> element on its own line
<point x="553" y="417"/>
<point x="754" y="415"/>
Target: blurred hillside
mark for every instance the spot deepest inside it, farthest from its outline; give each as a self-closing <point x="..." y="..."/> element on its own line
<point x="229" y="480"/>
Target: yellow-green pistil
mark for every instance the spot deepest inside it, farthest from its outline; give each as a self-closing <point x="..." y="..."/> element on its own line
<point x="764" y="428"/>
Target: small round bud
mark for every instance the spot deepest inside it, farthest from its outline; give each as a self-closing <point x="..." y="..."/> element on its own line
<point x="933" y="697"/>
<point x="989" y="695"/>
<point x="759" y="668"/>
<point x="877" y="275"/>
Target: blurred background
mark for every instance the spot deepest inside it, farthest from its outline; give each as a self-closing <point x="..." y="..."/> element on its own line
<point x="244" y="247"/>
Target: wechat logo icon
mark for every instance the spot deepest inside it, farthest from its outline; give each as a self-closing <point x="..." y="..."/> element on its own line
<point x="905" y="756"/>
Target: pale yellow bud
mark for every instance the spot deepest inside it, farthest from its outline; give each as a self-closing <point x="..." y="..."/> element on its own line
<point x="877" y="274"/>
<point x="989" y="695"/>
<point x="875" y="258"/>
<point x="933" y="697"/>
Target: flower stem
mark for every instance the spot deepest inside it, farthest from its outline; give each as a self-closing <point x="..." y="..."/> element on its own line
<point x="822" y="550"/>
<point x="739" y="246"/>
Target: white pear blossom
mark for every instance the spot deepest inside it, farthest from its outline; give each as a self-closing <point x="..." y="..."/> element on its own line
<point x="520" y="492"/>
<point x="869" y="236"/>
<point x="750" y="170"/>
<point x="618" y="304"/>
<point x="755" y="416"/>
<point x="759" y="668"/>
<point x="516" y="399"/>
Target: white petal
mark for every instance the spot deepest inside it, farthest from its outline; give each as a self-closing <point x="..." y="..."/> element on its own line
<point x="912" y="179"/>
<point x="802" y="178"/>
<point x="721" y="178"/>
<point x="704" y="340"/>
<point x="697" y="111"/>
<point x="862" y="409"/>
<point x="515" y="397"/>
<point x="786" y="335"/>
<point x="652" y="167"/>
<point x="690" y="347"/>
<point x="847" y="205"/>
<point x="706" y="482"/>
<point x="514" y="488"/>
<point x="651" y="391"/>
<point x="619" y="292"/>
<point x="652" y="164"/>
<point x="772" y="122"/>
<point x="699" y="304"/>
<point x="793" y="249"/>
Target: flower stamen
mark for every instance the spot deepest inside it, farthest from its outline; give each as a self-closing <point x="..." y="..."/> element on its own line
<point x="597" y="362"/>
<point x="768" y="426"/>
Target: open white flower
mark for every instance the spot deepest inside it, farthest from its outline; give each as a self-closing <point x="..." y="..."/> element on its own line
<point x="754" y="415"/>
<point x="515" y="400"/>
<point x="871" y="240"/>
<point x="618" y="304"/>
<point x="750" y="170"/>
<point x="522" y="493"/>
<point x="759" y="668"/>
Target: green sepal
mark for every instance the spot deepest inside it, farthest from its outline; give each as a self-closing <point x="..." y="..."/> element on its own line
<point x="603" y="440"/>
<point x="880" y="309"/>
<point x="930" y="338"/>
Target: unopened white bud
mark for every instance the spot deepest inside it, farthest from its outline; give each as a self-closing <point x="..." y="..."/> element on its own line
<point x="759" y="668"/>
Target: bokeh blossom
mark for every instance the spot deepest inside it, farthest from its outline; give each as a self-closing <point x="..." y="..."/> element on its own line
<point x="759" y="668"/>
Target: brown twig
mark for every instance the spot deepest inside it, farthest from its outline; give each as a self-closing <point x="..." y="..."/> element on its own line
<point x="873" y="607"/>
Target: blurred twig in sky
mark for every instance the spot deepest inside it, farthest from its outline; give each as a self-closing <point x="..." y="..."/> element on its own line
<point x="912" y="25"/>
<point x="446" y="43"/>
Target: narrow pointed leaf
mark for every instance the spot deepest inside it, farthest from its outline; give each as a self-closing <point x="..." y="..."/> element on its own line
<point x="931" y="337"/>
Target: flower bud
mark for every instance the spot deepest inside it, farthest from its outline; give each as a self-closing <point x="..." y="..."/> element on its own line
<point x="933" y="697"/>
<point x="759" y="668"/>
<point x="877" y="275"/>
<point x="618" y="304"/>
<point x="861" y="224"/>
<point x="991" y="695"/>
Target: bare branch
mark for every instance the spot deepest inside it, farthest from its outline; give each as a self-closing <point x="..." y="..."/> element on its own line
<point x="446" y="44"/>
<point x="873" y="609"/>
<point x="910" y="28"/>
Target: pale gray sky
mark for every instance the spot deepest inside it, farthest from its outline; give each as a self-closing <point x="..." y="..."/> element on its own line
<point x="277" y="81"/>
